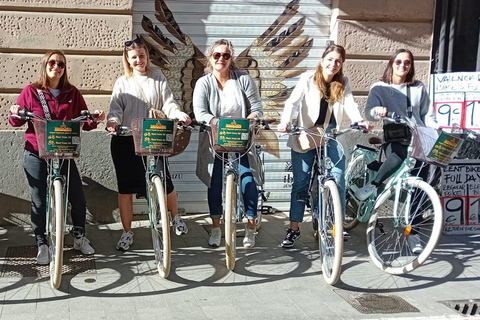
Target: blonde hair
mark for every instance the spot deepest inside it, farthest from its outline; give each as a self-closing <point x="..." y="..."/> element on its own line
<point x="126" y="66"/>
<point x="43" y="80"/>
<point x="209" y="67"/>
<point x="333" y="91"/>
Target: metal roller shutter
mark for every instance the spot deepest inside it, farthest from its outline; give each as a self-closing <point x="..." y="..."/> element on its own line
<point x="276" y="40"/>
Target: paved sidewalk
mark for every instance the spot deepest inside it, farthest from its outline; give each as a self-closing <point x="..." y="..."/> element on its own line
<point x="269" y="282"/>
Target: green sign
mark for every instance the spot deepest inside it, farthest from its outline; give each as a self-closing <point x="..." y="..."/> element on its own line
<point x="445" y="148"/>
<point x="233" y="132"/>
<point x="157" y="133"/>
<point x="62" y="136"/>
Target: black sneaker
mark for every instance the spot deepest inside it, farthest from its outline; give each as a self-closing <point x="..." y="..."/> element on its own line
<point x="290" y="238"/>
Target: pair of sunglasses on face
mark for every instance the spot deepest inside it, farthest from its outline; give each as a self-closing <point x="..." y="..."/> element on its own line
<point x="225" y="55"/>
<point x="59" y="64"/>
<point x="406" y="63"/>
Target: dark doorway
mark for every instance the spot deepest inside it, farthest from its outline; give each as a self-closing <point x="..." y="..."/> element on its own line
<point x="456" y="36"/>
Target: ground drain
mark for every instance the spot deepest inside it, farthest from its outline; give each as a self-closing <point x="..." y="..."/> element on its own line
<point x="21" y="262"/>
<point x="369" y="303"/>
<point x="469" y="307"/>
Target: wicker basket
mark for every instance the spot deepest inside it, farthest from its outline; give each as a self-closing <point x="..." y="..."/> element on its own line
<point x="63" y="142"/>
<point x="238" y="140"/>
<point x="154" y="136"/>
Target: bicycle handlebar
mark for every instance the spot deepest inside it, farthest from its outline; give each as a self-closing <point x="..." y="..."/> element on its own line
<point x="25" y="114"/>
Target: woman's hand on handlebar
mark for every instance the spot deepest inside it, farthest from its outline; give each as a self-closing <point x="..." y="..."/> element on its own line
<point x="283" y="127"/>
<point x="380" y="111"/>
<point x="111" y="126"/>
<point x="98" y="115"/>
<point x="14" y="109"/>
<point x="184" y="118"/>
<point x="365" y="124"/>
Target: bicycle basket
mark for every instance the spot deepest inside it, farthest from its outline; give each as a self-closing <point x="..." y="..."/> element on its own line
<point x="58" y="139"/>
<point x="182" y="138"/>
<point x="470" y="148"/>
<point x="154" y="136"/>
<point x="429" y="147"/>
<point x="232" y="135"/>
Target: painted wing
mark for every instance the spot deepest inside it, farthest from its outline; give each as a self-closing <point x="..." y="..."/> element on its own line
<point x="181" y="61"/>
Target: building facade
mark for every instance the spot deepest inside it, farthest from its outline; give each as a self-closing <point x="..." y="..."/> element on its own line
<point x="275" y="41"/>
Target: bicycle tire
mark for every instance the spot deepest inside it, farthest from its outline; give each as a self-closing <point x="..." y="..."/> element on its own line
<point x="230" y="220"/>
<point x="258" y="219"/>
<point x="356" y="177"/>
<point x="314" y="202"/>
<point x="160" y="226"/>
<point x="56" y="233"/>
<point x="387" y="238"/>
<point x="331" y="233"/>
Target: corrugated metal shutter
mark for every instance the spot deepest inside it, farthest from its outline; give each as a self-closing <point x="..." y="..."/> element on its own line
<point x="296" y="46"/>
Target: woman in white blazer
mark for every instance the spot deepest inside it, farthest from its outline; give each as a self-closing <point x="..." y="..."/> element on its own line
<point x="320" y="98"/>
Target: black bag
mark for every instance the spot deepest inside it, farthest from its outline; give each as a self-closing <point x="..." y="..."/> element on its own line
<point x="396" y="132"/>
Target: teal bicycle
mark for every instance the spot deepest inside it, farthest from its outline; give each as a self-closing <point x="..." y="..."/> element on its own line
<point x="406" y="207"/>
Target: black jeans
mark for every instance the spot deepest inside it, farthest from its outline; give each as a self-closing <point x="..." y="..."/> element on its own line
<point x="36" y="171"/>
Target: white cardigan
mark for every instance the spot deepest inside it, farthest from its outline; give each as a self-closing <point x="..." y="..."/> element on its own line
<point x="305" y="99"/>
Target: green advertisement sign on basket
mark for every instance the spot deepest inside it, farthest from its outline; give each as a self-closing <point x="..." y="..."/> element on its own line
<point x="157" y="134"/>
<point x="445" y="148"/>
<point x="62" y="136"/>
<point x="233" y="132"/>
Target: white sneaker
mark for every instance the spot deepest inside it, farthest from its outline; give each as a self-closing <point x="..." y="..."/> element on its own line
<point x="43" y="256"/>
<point x="249" y="240"/>
<point x="365" y="192"/>
<point x="215" y="237"/>
<point x="179" y="226"/>
<point x="413" y="241"/>
<point x="83" y="244"/>
<point x="126" y="240"/>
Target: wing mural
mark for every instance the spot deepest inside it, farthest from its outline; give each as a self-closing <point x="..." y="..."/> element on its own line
<point x="270" y="59"/>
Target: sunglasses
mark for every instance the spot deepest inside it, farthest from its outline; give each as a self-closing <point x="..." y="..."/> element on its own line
<point x="225" y="55"/>
<point x="406" y="63"/>
<point x="59" y="64"/>
<point x="138" y="40"/>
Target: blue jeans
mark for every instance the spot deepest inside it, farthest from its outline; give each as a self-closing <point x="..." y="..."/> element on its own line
<point x="249" y="189"/>
<point x="302" y="164"/>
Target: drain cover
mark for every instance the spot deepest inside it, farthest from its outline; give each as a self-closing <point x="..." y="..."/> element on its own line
<point x="375" y="302"/>
<point x="468" y="307"/>
<point x="22" y="262"/>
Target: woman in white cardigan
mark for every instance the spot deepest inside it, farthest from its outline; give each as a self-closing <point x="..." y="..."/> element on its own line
<point x="320" y="98"/>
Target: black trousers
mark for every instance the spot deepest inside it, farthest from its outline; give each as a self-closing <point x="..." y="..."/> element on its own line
<point x="36" y="171"/>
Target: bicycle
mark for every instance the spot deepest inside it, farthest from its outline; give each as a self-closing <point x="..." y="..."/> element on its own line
<point x="407" y="206"/>
<point x="230" y="146"/>
<point x="154" y="141"/>
<point x="58" y="141"/>
<point x="325" y="203"/>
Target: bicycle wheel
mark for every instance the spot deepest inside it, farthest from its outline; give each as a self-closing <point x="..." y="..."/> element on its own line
<point x="258" y="220"/>
<point x="419" y="213"/>
<point x="56" y="232"/>
<point x="160" y="225"/>
<point x="356" y="177"/>
<point x="331" y="233"/>
<point x="230" y="220"/>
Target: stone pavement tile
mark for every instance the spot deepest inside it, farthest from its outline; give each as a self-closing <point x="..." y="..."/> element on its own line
<point x="25" y="316"/>
<point x="221" y="311"/>
<point x="87" y="314"/>
<point x="156" y="313"/>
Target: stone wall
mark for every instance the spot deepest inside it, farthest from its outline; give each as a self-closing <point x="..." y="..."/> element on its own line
<point x="91" y="33"/>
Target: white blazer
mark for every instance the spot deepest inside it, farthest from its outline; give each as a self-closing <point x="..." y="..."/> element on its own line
<point x="305" y="100"/>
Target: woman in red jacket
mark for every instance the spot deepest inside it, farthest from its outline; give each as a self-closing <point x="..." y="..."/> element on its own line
<point x="64" y="102"/>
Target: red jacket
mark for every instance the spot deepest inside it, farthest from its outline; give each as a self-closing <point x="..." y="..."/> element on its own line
<point x="66" y="106"/>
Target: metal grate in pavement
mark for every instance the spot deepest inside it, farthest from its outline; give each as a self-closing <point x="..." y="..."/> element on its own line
<point x="22" y="262"/>
<point x="467" y="307"/>
<point x="369" y="303"/>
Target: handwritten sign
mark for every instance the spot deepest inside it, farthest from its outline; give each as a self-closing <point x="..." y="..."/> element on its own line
<point x="456" y="99"/>
<point x="461" y="197"/>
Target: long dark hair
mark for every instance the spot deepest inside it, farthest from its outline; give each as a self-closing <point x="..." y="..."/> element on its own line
<point x="43" y="80"/>
<point x="388" y="73"/>
<point x="334" y="90"/>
